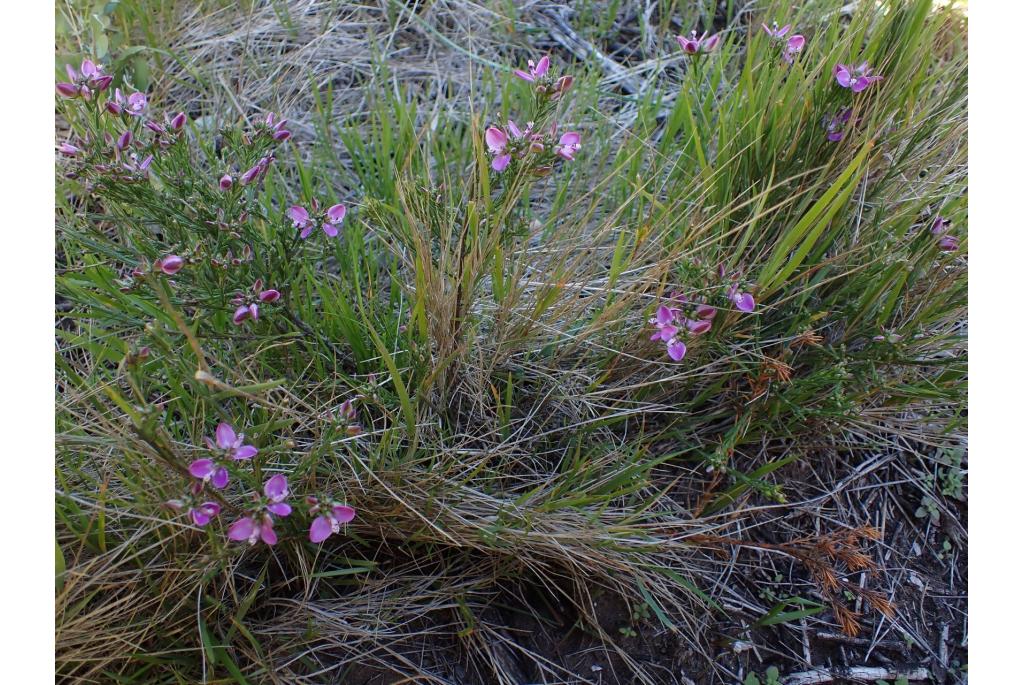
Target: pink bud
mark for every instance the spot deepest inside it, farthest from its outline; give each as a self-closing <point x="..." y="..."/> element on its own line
<point x="226" y="182"/>
<point x="178" y="121"/>
<point x="269" y="296"/>
<point x="124" y="140"/>
<point x="170" y="265"/>
<point x="250" y="175"/>
<point x="68" y="149"/>
<point x="154" y="127"/>
<point x="68" y="90"/>
<point x="240" y="315"/>
<point x="113" y="107"/>
<point x="282" y="135"/>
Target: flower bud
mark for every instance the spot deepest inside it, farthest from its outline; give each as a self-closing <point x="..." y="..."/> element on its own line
<point x="68" y="149"/>
<point x="68" y="90"/>
<point x="226" y="182"/>
<point x="269" y="296"/>
<point x="124" y="140"/>
<point x="178" y="121"/>
<point x="170" y="265"/>
<point x="114" y="108"/>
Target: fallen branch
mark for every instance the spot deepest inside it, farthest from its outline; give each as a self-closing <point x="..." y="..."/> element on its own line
<point x="868" y="673"/>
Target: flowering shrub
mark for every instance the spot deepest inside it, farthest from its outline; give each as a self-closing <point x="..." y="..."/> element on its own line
<point x="409" y="346"/>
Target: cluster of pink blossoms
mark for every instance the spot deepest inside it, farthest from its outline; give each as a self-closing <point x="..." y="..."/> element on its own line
<point x="251" y="310"/>
<point x="682" y="318"/>
<point x="87" y="80"/>
<point x="519" y="143"/>
<point x="695" y="47"/>
<point x="258" y="523"/>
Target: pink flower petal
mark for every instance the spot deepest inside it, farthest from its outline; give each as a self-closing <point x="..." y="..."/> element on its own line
<point x="242" y="529"/>
<point x="676" y="350"/>
<point x="220" y="478"/>
<point x="276" y="487"/>
<point x="202" y="468"/>
<point x="267" y="533"/>
<point x="496" y="139"/>
<point x="501" y="162"/>
<point x="225" y="435"/>
<point x="320" y="530"/>
<point x="343" y="513"/>
<point x="244" y="452"/>
<point x="297" y="214"/>
<point x="279" y="508"/>
<point x="542" y="66"/>
<point x="335" y="213"/>
<point x="330" y="229"/>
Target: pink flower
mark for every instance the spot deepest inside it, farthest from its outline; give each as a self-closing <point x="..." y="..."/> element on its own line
<point x="226" y="182"/>
<point x="335" y="215"/>
<point x="835" y="127"/>
<point x="260" y="524"/>
<point x="940" y="226"/>
<point x="124" y="140"/>
<point x="697" y="327"/>
<point x="245" y="312"/>
<point x="232" y="443"/>
<point x="276" y="490"/>
<point x="568" y="144"/>
<point x="949" y="243"/>
<point x="90" y="77"/>
<point x="793" y="47"/>
<point x="68" y="149"/>
<point x="665" y="321"/>
<point x="170" y="265"/>
<point x="178" y="121"/>
<point x="775" y="32"/>
<point x="855" y="78"/>
<point x="743" y="301"/>
<point x="497" y="141"/>
<point x="698" y="46"/>
<point x="201" y="514"/>
<point x="252" y="529"/>
<point x="330" y="521"/>
<point x="209" y="471"/>
<point x="536" y="71"/>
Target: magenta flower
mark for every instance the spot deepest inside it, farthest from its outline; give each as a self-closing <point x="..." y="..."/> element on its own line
<point x="665" y="321"/>
<point x="209" y="471"/>
<point x="89" y="78"/>
<point x="245" y="312"/>
<point x="855" y="78"/>
<point x="775" y="32"/>
<point x="568" y="144"/>
<point x="497" y="141"/>
<point x="226" y="182"/>
<point x="252" y="529"/>
<point x="698" y="46"/>
<point x="201" y="514"/>
<point x="536" y="71"/>
<point x="329" y="522"/>
<point x="836" y="125"/>
<point x="335" y="215"/>
<point x="276" y="490"/>
<point x="260" y="524"/>
<point x="170" y="265"/>
<point x="793" y="47"/>
<point x="743" y="301"/>
<point x="232" y="443"/>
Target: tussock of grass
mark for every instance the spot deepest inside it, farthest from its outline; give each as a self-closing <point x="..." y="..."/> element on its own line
<point x="525" y="447"/>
